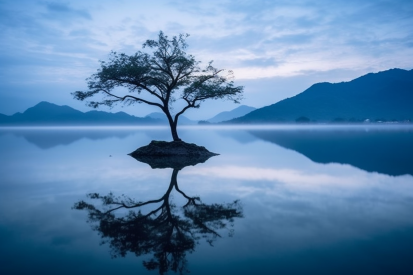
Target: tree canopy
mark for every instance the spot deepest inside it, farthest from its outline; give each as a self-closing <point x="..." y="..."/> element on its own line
<point x="166" y="73"/>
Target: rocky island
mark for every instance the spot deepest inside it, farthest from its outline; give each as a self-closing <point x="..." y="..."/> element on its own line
<point x="173" y="154"/>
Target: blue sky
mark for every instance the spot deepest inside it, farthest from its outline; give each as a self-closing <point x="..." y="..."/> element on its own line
<point x="276" y="49"/>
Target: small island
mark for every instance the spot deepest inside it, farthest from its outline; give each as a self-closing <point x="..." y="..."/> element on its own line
<point x="175" y="154"/>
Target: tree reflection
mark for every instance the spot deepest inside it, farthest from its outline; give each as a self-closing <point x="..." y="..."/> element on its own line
<point x="166" y="231"/>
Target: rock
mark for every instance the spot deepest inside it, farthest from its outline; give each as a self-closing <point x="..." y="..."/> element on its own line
<point x="174" y="154"/>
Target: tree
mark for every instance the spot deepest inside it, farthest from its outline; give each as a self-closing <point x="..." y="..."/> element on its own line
<point x="165" y="74"/>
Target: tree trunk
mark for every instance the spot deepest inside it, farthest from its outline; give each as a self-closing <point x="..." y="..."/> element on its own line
<point x="173" y="124"/>
<point x="174" y="132"/>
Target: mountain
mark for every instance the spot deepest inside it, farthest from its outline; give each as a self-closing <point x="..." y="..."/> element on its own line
<point x="228" y="115"/>
<point x="49" y="114"/>
<point x="183" y="120"/>
<point x="3" y="118"/>
<point x="386" y="95"/>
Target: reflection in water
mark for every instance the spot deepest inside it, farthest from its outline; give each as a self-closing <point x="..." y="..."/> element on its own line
<point x="384" y="150"/>
<point x="49" y="137"/>
<point x="46" y="138"/>
<point x="166" y="231"/>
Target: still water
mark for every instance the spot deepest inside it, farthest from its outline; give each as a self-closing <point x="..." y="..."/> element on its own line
<point x="280" y="200"/>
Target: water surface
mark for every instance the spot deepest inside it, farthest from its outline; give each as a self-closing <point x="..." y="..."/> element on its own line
<point x="317" y="200"/>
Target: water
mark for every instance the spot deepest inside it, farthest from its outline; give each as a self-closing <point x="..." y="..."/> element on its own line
<point x="314" y="200"/>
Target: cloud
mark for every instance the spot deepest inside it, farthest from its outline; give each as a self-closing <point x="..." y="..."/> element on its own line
<point x="45" y="41"/>
<point x="60" y="11"/>
<point x="287" y="176"/>
<point x="323" y="181"/>
<point x="316" y="37"/>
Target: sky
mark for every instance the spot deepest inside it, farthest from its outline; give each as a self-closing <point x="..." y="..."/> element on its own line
<point x="276" y="49"/>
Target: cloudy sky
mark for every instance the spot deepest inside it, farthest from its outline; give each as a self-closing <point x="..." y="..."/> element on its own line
<point x="276" y="49"/>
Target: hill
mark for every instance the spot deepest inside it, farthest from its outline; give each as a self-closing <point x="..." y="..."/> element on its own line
<point x="386" y="95"/>
<point x="228" y="115"/>
<point x="183" y="120"/>
<point x="49" y="114"/>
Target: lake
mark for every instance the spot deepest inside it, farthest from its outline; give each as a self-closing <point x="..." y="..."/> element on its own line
<point x="277" y="200"/>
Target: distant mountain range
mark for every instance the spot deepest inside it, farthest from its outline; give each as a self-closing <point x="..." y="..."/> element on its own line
<point x="383" y="96"/>
<point x="49" y="114"/>
<point x="228" y="115"/>
<point x="223" y="116"/>
<point x="183" y="120"/>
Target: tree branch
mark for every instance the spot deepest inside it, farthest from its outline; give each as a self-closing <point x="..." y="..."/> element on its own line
<point x="136" y="98"/>
<point x="141" y="86"/>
